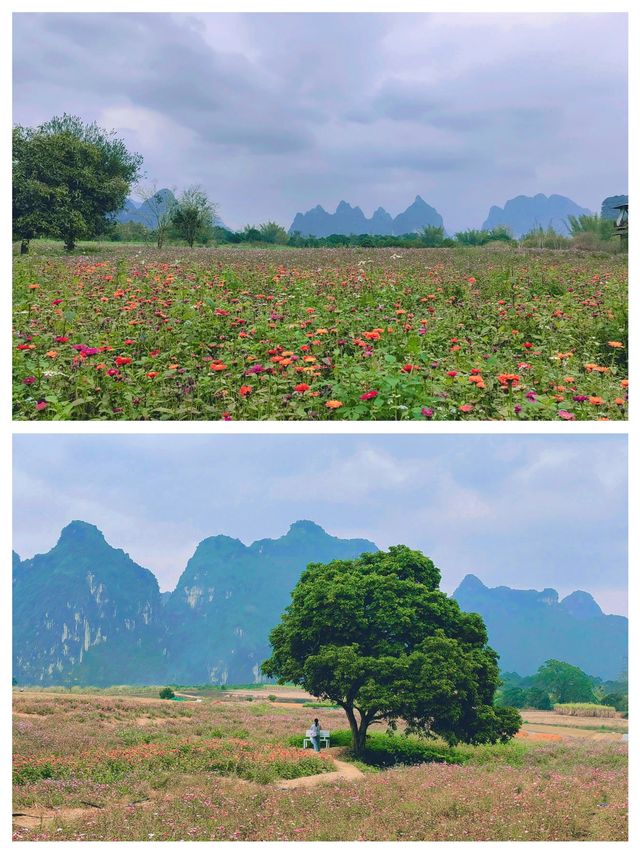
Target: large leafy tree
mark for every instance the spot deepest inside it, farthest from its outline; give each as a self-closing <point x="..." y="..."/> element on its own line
<point x="376" y="636"/>
<point x="564" y="682"/>
<point x="68" y="177"/>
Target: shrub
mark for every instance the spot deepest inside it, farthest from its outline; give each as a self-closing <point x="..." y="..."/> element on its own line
<point x="619" y="701"/>
<point x="384" y="750"/>
<point x="167" y="693"/>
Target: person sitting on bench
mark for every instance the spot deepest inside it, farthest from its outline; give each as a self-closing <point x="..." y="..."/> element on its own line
<point x="314" y="734"/>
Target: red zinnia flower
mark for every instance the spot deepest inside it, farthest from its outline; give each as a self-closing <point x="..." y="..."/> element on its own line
<point x="120" y="360"/>
<point x="369" y="395"/>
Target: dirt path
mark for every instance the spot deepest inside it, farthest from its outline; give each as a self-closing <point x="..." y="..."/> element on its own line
<point x="344" y="771"/>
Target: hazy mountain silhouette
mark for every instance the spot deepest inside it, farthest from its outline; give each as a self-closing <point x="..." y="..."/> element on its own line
<point x="527" y="627"/>
<point x="524" y="213"/>
<point x="351" y="220"/>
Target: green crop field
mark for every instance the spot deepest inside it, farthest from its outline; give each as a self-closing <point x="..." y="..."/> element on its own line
<point x="320" y="334"/>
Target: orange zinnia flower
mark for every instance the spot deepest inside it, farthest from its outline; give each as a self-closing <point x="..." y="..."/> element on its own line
<point x="333" y="404"/>
<point x="215" y="365"/>
<point x="506" y="379"/>
<point x="615" y="344"/>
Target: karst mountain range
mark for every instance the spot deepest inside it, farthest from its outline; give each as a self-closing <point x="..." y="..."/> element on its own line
<point x="85" y="613"/>
<point x="520" y="215"/>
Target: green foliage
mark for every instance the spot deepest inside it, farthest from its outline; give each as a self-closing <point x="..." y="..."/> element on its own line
<point x="68" y="177"/>
<point x="130" y="232"/>
<point x="602" y="228"/>
<point x="544" y="238"/>
<point x="514" y="697"/>
<point x="271" y="232"/>
<point x="376" y="636"/>
<point x="564" y="682"/>
<point x="474" y="237"/>
<point x="389" y="749"/>
<point x="619" y="701"/>
<point x="432" y="236"/>
<point x="538" y="698"/>
<point x="382" y="750"/>
<point x="166" y="693"/>
<point x="250" y="234"/>
<point x="192" y="215"/>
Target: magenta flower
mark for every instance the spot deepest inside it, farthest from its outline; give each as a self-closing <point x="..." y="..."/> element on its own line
<point x="426" y="413"/>
<point x="29" y="380"/>
<point x="566" y="416"/>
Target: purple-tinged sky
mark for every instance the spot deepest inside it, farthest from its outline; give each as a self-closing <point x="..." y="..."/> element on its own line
<point x="275" y="113"/>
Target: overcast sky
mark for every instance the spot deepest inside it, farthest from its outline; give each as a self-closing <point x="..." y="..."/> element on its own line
<point x="275" y="113"/>
<point x="525" y="511"/>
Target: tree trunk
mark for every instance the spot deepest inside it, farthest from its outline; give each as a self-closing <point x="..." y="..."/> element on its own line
<point x="24" y="247"/>
<point x="70" y="244"/>
<point x="358" y="732"/>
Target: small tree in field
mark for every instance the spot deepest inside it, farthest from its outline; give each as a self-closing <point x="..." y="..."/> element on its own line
<point x="68" y="177"/>
<point x="167" y="693"/>
<point x="192" y="214"/>
<point x="376" y="636"/>
<point x="158" y="207"/>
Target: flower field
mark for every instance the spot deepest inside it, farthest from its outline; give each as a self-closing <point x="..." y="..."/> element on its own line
<point x="321" y="334"/>
<point x="92" y="767"/>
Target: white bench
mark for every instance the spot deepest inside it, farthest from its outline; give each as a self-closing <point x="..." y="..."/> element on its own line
<point x="324" y="738"/>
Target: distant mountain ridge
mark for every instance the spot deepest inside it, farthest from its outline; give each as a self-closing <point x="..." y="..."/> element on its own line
<point x="524" y="213"/>
<point x="146" y="212"/>
<point x="317" y="222"/>
<point x="529" y="626"/>
<point x="86" y="613"/>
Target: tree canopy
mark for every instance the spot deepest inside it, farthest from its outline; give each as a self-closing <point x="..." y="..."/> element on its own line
<point x="68" y="177"/>
<point x="376" y="636"/>
<point x="564" y="682"/>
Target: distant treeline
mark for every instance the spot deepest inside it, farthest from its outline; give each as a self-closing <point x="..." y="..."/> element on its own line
<point x="587" y="232"/>
<point x="557" y="682"/>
